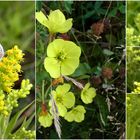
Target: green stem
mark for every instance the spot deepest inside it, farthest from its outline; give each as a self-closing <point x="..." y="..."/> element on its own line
<point x="43" y="97"/>
<point x="46" y="93"/>
<point x="51" y="38"/>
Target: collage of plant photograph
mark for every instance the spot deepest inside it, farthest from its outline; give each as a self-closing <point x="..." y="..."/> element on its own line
<point x="69" y="69"/>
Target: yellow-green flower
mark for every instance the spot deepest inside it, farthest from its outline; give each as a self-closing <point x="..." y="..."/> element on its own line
<point x="137" y="88"/>
<point x="88" y="94"/>
<point x="76" y="114"/>
<point x="63" y="58"/>
<point x="63" y="98"/>
<point x="55" y="21"/>
<point x="45" y="120"/>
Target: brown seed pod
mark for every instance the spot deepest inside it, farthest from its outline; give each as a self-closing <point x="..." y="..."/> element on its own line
<point x="107" y="73"/>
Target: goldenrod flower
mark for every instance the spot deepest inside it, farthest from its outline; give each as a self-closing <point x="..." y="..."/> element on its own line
<point x="9" y="68"/>
<point x="63" y="58"/>
<point x="55" y="21"/>
<point x="76" y="114"/>
<point x="88" y="94"/>
<point x="63" y="98"/>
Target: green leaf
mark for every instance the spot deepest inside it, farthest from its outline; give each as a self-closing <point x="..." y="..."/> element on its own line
<point x="38" y="5"/>
<point x="112" y="13"/>
<point x="103" y="109"/>
<point x="68" y="6"/>
<point x="83" y="69"/>
<point x="98" y="5"/>
<point x="26" y="123"/>
<point x="97" y="70"/>
<point x="122" y="9"/>
<point x="14" y="119"/>
<point x="108" y="52"/>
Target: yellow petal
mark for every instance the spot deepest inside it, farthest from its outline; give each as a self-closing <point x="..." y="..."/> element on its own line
<point x="63" y="88"/>
<point x="45" y="120"/>
<point x="57" y="17"/>
<point x="52" y="66"/>
<point x="62" y="110"/>
<point x="69" y="100"/>
<point x="42" y="18"/>
<point x="66" y="26"/>
<point x="55" y="47"/>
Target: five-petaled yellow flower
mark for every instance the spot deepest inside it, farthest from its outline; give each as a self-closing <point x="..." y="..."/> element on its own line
<point x="63" y="98"/>
<point x="76" y="114"/>
<point x="88" y="93"/>
<point x="62" y="58"/>
<point x="55" y="21"/>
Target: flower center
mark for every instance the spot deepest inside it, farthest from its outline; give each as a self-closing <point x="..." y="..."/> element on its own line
<point x="61" y="56"/>
<point x="59" y="99"/>
<point x="75" y="111"/>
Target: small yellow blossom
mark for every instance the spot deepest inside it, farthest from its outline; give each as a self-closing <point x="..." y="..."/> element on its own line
<point x="76" y="114"/>
<point x="55" y="21"/>
<point x="88" y="93"/>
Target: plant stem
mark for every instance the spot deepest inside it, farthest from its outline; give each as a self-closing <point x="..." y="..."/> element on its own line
<point x="43" y="97"/>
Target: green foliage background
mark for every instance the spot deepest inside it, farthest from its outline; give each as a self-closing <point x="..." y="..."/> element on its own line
<point x="133" y="44"/>
<point x="133" y="69"/>
<point x="105" y="117"/>
<point x="133" y="119"/>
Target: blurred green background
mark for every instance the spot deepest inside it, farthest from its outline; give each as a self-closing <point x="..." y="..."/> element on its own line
<point x="17" y="27"/>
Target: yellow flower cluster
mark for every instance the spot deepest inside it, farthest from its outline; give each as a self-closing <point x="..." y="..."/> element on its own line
<point x="9" y="73"/>
<point x="137" y="88"/>
<point x="11" y="99"/>
<point x="9" y="68"/>
<point x="23" y="133"/>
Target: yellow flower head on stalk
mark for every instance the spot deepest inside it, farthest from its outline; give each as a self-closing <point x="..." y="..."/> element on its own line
<point x="9" y="68"/>
<point x="63" y="98"/>
<point x="45" y="118"/>
<point x="88" y="93"/>
<point x="55" y="21"/>
<point x="76" y="114"/>
<point x="62" y="58"/>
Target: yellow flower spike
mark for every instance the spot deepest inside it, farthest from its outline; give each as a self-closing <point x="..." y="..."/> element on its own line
<point x="76" y="114"/>
<point x="63" y="58"/>
<point x="88" y="93"/>
<point x="9" y="68"/>
<point x="63" y="98"/>
<point x="55" y="21"/>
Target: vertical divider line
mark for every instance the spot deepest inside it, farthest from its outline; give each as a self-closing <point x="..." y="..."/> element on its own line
<point x="35" y="63"/>
<point x="125" y="69"/>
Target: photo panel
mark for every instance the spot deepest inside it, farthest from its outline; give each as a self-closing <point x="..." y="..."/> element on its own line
<point x="133" y="70"/>
<point x="17" y="70"/>
<point x="80" y="69"/>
